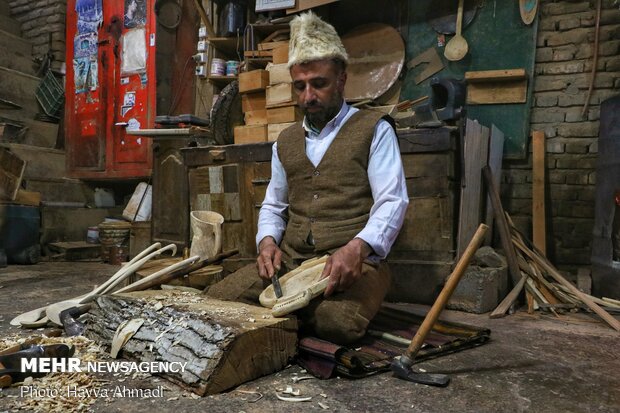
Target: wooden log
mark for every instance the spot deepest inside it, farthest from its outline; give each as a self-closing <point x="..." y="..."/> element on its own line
<point x="224" y="343"/>
<point x="539" y="224"/>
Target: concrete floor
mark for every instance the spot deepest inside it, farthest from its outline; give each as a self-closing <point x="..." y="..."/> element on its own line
<point x="533" y="363"/>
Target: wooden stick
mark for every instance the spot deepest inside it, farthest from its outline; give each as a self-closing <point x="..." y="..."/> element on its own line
<point x="502" y="226"/>
<point x="539" y="223"/>
<point x="446" y="292"/>
<point x="615" y="324"/>
<point x="205" y="19"/>
<point x="597" y="26"/>
<point x="506" y="303"/>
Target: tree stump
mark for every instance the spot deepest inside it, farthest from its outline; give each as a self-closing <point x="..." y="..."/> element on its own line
<point x="224" y="343"/>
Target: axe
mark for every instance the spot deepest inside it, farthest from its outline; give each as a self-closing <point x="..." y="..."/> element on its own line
<point x="401" y="366"/>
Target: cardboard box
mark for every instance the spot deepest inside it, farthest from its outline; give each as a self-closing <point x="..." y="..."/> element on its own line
<point x="284" y="114"/>
<point x="250" y="134"/>
<point x="253" y="101"/>
<point x="256" y="117"/>
<point x="280" y="55"/>
<point x="274" y="129"/>
<point x="253" y="80"/>
<point x="280" y="95"/>
<point x="279" y="74"/>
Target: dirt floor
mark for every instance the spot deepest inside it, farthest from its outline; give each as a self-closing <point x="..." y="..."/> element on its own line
<point x="532" y="363"/>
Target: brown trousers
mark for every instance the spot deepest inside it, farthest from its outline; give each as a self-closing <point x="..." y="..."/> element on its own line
<point x="341" y="318"/>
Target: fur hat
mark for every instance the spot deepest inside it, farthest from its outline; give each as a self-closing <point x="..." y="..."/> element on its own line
<point x="313" y="39"/>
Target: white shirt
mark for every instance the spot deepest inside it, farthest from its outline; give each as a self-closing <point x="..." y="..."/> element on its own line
<point x="385" y="175"/>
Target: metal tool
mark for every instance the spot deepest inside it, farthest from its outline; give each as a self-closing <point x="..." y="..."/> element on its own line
<point x="401" y="366"/>
<point x="277" y="288"/>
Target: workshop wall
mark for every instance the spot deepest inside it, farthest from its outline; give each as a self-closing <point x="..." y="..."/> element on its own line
<point x="562" y="74"/>
<point x="39" y="19"/>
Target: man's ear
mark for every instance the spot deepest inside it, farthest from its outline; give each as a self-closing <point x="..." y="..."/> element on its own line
<point x="342" y="80"/>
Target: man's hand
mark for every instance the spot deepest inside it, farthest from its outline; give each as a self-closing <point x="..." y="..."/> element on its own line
<point x="269" y="258"/>
<point x="344" y="267"/>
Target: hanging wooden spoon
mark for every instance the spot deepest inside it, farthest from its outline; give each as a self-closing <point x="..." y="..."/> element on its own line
<point x="457" y="47"/>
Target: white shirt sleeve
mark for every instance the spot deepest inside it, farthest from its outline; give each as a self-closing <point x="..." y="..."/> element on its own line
<point x="273" y="214"/>
<point x="389" y="191"/>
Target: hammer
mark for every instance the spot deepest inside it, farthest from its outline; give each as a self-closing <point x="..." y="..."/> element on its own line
<point x="401" y="366"/>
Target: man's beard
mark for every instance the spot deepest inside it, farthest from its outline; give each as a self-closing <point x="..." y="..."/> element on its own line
<point x="327" y="112"/>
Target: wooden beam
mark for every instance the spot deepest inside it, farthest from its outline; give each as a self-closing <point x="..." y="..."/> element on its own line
<point x="502" y="308"/>
<point x="494" y="75"/>
<point x="539" y="223"/>
<point x="496" y="156"/>
<point x="502" y="226"/>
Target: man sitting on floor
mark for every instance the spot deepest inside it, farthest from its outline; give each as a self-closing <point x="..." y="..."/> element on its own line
<point x="337" y="187"/>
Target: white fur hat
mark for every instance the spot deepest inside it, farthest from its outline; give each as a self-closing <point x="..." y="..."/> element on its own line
<point x="313" y="39"/>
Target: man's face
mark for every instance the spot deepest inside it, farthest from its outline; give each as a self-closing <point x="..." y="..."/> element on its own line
<point x="319" y="86"/>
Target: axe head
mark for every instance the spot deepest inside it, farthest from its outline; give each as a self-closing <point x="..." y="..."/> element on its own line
<point x="402" y="369"/>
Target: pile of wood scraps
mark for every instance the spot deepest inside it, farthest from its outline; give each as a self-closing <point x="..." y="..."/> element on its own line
<point x="546" y="289"/>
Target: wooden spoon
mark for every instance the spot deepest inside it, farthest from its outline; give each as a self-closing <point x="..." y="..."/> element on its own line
<point x="457" y="47"/>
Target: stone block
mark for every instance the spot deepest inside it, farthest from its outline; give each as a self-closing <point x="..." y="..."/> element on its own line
<point x="576" y="148"/>
<point x="569" y="23"/>
<point x="519" y="191"/>
<point x="571" y="100"/>
<point x="480" y="290"/>
<point x="547" y="83"/>
<point x="576" y="162"/>
<point x="563" y="67"/>
<point x="544" y="54"/>
<point x="564" y="192"/>
<point x="613" y="64"/>
<point x="565" y="7"/>
<point x="563" y="53"/>
<point x="547" y="115"/>
<point x="556" y="176"/>
<point x="593" y="148"/>
<point x="576" y="178"/>
<point x="573" y="114"/>
<point x="554" y="146"/>
<point x="579" y="130"/>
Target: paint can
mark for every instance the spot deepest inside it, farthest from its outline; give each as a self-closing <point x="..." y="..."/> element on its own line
<point x="92" y="235"/>
<point x="232" y="68"/>
<point x="218" y="67"/>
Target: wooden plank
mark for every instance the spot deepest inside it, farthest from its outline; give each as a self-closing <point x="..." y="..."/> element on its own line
<point x="476" y="149"/>
<point x="280" y="55"/>
<point x="224" y="343"/>
<point x="539" y="222"/>
<point x="426" y="140"/>
<point x="504" y="306"/>
<point x="496" y="153"/>
<point x="492" y="93"/>
<point x="417" y="165"/>
<point x="12" y="169"/>
<point x="429" y="186"/>
<point x="272" y="45"/>
<point x="258" y="53"/>
<point x="495" y="75"/>
<point x="23" y="197"/>
<point x="428" y="226"/>
<point x="502" y="226"/>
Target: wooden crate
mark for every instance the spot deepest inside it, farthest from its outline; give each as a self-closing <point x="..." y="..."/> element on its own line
<point x="274" y="130"/>
<point x="253" y="101"/>
<point x="256" y="117"/>
<point x="279" y="55"/>
<point x="280" y="95"/>
<point x="250" y="134"/>
<point x="253" y="81"/>
<point x="279" y="73"/>
<point x="284" y="114"/>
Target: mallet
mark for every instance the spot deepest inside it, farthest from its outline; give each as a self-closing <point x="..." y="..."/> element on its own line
<point x="401" y="366"/>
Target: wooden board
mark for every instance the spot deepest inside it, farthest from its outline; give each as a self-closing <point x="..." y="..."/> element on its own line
<point x="279" y="55"/>
<point x="308" y="4"/>
<point x="224" y="343"/>
<point x="539" y="222"/>
<point x="428" y="226"/>
<point x="492" y="93"/>
<point x="496" y="154"/>
<point x="475" y="151"/>
<point x="199" y="279"/>
<point x="11" y="172"/>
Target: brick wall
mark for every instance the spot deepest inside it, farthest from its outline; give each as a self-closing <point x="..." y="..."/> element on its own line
<point x="562" y="73"/>
<point x="39" y="19"/>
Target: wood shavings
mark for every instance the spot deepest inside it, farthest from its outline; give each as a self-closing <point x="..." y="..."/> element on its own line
<point x="252" y="320"/>
<point x="293" y="399"/>
<point x="323" y="406"/>
<point x="258" y="395"/>
<point x="300" y="378"/>
<point x="124" y="332"/>
<point x="291" y="391"/>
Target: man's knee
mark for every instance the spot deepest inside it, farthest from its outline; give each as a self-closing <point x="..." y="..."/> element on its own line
<point x="338" y="322"/>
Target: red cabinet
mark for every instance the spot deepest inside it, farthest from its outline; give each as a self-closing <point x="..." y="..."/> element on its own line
<point x="110" y="87"/>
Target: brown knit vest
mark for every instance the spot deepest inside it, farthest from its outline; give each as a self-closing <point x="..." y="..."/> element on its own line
<point x="332" y="201"/>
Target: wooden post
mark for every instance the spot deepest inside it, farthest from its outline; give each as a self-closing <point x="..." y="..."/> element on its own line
<point x="539" y="222"/>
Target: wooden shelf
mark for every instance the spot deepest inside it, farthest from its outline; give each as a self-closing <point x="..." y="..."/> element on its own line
<point x="266" y="29"/>
<point x="222" y="79"/>
<point x="227" y="45"/>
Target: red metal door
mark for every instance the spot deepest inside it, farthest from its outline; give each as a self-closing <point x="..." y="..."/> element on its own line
<point x="110" y="87"/>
